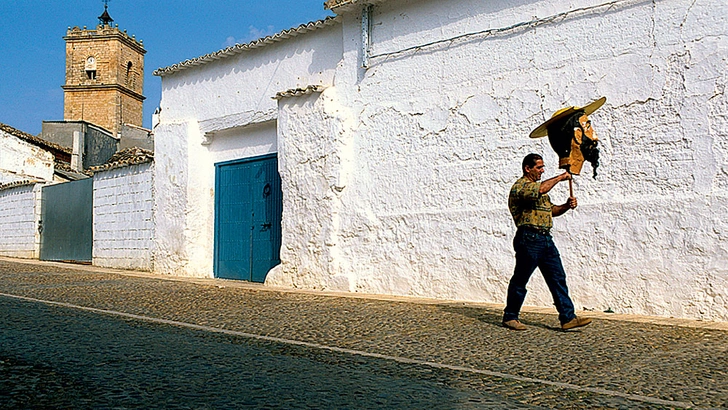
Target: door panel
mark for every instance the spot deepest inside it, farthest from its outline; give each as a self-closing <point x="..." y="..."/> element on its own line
<point x="67" y="222"/>
<point x="248" y="205"/>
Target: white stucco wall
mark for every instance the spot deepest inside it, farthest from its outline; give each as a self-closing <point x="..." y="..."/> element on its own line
<point x="123" y="221"/>
<point x="220" y="111"/>
<point x="20" y="210"/>
<point x="407" y="194"/>
<point x="20" y="160"/>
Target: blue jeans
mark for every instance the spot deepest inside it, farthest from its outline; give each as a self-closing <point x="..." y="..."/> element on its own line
<point x="537" y="250"/>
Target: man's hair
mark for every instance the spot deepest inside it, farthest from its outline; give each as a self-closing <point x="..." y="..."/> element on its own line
<point x="530" y="161"/>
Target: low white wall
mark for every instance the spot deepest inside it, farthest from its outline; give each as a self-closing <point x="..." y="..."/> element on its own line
<point x="123" y="221"/>
<point x="20" y="208"/>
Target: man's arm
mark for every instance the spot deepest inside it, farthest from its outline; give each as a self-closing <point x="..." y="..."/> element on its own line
<point x="550" y="183"/>
<point x="558" y="210"/>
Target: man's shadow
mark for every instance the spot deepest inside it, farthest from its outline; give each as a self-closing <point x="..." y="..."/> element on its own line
<point x="494" y="317"/>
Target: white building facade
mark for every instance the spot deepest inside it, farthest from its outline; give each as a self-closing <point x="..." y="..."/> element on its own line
<point x="398" y="147"/>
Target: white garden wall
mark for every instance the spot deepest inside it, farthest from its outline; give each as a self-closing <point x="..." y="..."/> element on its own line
<point x="435" y="138"/>
<point x="123" y="219"/>
<point x="20" y="210"/>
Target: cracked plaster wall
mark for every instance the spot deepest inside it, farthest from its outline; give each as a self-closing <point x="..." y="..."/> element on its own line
<point x="437" y="134"/>
<point x="20" y="160"/>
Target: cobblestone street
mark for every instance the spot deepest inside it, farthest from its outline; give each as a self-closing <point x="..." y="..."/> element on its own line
<point x="85" y="337"/>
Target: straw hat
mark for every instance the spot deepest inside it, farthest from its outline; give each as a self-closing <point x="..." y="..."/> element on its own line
<point x="541" y="130"/>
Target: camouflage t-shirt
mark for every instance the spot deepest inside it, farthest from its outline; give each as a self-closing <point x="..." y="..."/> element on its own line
<point x="528" y="207"/>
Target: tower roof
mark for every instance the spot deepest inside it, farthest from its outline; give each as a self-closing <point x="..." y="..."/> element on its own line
<point x="105" y="19"/>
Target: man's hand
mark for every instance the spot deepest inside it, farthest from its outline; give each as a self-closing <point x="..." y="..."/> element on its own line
<point x="558" y="210"/>
<point x="571" y="203"/>
<point x="565" y="176"/>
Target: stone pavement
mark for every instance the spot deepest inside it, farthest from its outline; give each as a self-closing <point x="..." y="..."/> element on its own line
<point x="617" y="362"/>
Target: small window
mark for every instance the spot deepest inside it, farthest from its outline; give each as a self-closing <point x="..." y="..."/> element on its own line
<point x="129" y="79"/>
<point x="91" y="74"/>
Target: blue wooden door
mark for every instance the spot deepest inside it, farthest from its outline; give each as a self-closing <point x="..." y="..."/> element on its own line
<point x="248" y="208"/>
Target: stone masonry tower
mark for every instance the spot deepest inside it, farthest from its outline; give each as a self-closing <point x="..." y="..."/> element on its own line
<point x="104" y="76"/>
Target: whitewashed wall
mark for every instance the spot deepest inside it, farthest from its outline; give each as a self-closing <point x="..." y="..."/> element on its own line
<point x="20" y="209"/>
<point x="20" y="160"/>
<point x="216" y="112"/>
<point x="406" y="194"/>
<point x="123" y="220"/>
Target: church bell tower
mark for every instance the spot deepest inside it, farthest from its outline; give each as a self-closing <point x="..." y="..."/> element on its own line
<point x="104" y="76"/>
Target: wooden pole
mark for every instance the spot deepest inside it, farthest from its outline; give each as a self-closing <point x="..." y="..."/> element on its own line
<point x="571" y="187"/>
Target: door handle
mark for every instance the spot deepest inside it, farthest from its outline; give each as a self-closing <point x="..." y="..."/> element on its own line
<point x="266" y="226"/>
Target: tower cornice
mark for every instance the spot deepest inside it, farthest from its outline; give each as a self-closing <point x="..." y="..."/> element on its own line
<point x="104" y="33"/>
<point x="96" y="87"/>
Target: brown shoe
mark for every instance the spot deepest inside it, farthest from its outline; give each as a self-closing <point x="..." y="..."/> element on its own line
<point x="576" y="322"/>
<point x="514" y="325"/>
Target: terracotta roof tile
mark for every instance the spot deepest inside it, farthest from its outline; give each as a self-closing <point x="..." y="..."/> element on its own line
<point x="335" y="4"/>
<point x="332" y="4"/>
<point x="64" y="169"/>
<point x="37" y="141"/>
<point x="16" y="184"/>
<point x="125" y="158"/>
<point x="295" y="92"/>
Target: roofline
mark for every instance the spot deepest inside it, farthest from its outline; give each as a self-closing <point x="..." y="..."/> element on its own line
<point x="33" y="140"/>
<point x="84" y="122"/>
<point x="15" y="184"/>
<point x="239" y="48"/>
<point x="297" y="92"/>
<point x="341" y="6"/>
<point x="142" y="156"/>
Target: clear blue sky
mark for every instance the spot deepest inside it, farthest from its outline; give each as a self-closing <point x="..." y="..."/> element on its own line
<point x="32" y="50"/>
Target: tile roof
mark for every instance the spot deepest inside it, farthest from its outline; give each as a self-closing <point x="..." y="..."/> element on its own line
<point x="37" y="141"/>
<point x="295" y="92"/>
<point x="332" y="4"/>
<point x="15" y="184"/>
<point x="239" y="48"/>
<point x="64" y="169"/>
<point x="125" y="158"/>
<point x="335" y="4"/>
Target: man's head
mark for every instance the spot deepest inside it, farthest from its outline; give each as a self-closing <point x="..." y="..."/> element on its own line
<point x="533" y="167"/>
<point x="572" y="136"/>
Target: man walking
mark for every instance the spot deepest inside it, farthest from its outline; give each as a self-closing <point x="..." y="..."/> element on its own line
<point x="533" y="214"/>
